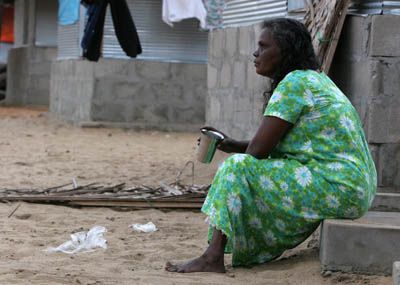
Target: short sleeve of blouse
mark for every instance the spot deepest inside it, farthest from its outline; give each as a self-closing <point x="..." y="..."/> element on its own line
<point x="288" y="100"/>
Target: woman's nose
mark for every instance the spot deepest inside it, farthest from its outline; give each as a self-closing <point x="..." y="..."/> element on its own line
<point x="255" y="54"/>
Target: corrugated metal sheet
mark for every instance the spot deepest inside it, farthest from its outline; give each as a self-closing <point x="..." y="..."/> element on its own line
<point x="366" y="7"/>
<point x="184" y="42"/>
<point x="243" y="12"/>
<point x="68" y="41"/>
<point x="391" y="7"/>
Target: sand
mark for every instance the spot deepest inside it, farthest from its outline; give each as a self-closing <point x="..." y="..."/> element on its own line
<point x="40" y="152"/>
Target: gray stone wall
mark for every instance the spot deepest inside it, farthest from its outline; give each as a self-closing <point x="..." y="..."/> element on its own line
<point x="235" y="92"/>
<point x="367" y="68"/>
<point x="28" y="75"/>
<point x="130" y="93"/>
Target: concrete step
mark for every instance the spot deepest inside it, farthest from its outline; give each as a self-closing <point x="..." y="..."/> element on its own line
<point x="386" y="202"/>
<point x="367" y="245"/>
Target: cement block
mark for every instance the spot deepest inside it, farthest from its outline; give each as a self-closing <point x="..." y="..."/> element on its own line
<point x="231" y="45"/>
<point x="386" y="202"/>
<point x="389" y="165"/>
<point x="385" y="35"/>
<point x="216" y="43"/>
<point x="367" y="245"/>
<point x="396" y="273"/>
<point x="153" y="70"/>
<point x="212" y="76"/>
<point x="226" y="75"/>
<point x="384" y="115"/>
<point x="353" y="39"/>
<point x="247" y="43"/>
<point x="239" y="74"/>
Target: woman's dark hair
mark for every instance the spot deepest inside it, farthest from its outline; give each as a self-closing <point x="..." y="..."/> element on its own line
<point x="294" y="42"/>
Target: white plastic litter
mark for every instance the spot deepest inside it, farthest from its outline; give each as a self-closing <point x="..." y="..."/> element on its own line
<point x="145" y="228"/>
<point x="83" y="241"/>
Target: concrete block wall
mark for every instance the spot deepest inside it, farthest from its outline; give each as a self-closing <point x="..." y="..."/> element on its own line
<point x="28" y="75"/>
<point x="235" y="92"/>
<point x="130" y="93"/>
<point x="366" y="67"/>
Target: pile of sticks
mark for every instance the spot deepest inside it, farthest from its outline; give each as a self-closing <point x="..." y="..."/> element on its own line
<point x="174" y="195"/>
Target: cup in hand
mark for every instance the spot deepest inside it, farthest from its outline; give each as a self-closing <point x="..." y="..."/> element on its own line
<point x="208" y="145"/>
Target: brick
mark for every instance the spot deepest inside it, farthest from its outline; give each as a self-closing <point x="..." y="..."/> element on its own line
<point x="368" y="245"/>
<point x="226" y="75"/>
<point x="247" y="43"/>
<point x="216" y="43"/>
<point x="153" y="70"/>
<point x="231" y="35"/>
<point x="385" y="36"/>
<point x="239" y="74"/>
<point x="383" y="113"/>
<point x="212" y="76"/>
<point x="389" y="165"/>
<point x="386" y="202"/>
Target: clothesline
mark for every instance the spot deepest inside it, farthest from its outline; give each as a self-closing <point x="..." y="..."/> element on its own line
<point x="208" y="12"/>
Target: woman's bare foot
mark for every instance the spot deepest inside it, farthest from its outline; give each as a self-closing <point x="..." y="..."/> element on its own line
<point x="203" y="263"/>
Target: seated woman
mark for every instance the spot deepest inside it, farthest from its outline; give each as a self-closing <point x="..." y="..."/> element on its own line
<point x="308" y="161"/>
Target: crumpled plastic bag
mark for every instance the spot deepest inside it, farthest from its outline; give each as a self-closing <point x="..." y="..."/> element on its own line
<point x="83" y="241"/>
<point x="145" y="228"/>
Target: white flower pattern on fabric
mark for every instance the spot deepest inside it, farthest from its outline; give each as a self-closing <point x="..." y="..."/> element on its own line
<point x="276" y="97"/>
<point x="261" y="206"/>
<point x="332" y="201"/>
<point x="307" y="147"/>
<point x="287" y="202"/>
<point x="347" y="123"/>
<point x="360" y="192"/>
<point x="278" y="164"/>
<point x="266" y="182"/>
<point x="309" y="97"/>
<point x="276" y="114"/>
<point x="231" y="177"/>
<point x="334" y="166"/>
<point x="329" y="133"/>
<point x="352" y="213"/>
<point x="311" y="116"/>
<point x="284" y="186"/>
<point x="240" y="242"/>
<point x="234" y="204"/>
<point x="269" y="238"/>
<point x="280" y="225"/>
<point x="239" y="157"/>
<point x="303" y="176"/>
<point x="309" y="214"/>
<point x="255" y="223"/>
<point x="347" y="156"/>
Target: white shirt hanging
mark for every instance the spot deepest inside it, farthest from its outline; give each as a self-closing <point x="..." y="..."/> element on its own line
<point x="177" y="10"/>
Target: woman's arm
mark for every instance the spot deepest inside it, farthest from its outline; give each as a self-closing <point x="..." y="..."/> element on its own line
<point x="270" y="132"/>
<point x="233" y="146"/>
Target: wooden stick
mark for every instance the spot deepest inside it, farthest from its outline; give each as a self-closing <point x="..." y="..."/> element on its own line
<point x="12" y="213"/>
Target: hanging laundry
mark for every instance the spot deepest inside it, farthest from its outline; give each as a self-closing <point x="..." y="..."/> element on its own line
<point x="68" y="12"/>
<point x="7" y="25"/>
<point x="215" y="9"/>
<point x="124" y="26"/>
<point x="177" y="10"/>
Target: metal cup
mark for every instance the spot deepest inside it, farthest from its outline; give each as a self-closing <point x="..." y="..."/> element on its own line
<point x="208" y="145"/>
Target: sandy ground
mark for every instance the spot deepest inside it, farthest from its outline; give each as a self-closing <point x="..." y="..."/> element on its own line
<point x="37" y="152"/>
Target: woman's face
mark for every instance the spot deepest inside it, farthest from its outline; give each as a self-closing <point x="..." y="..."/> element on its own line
<point x="267" y="56"/>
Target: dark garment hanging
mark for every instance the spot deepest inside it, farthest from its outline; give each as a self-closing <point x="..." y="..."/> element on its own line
<point x="124" y="26"/>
